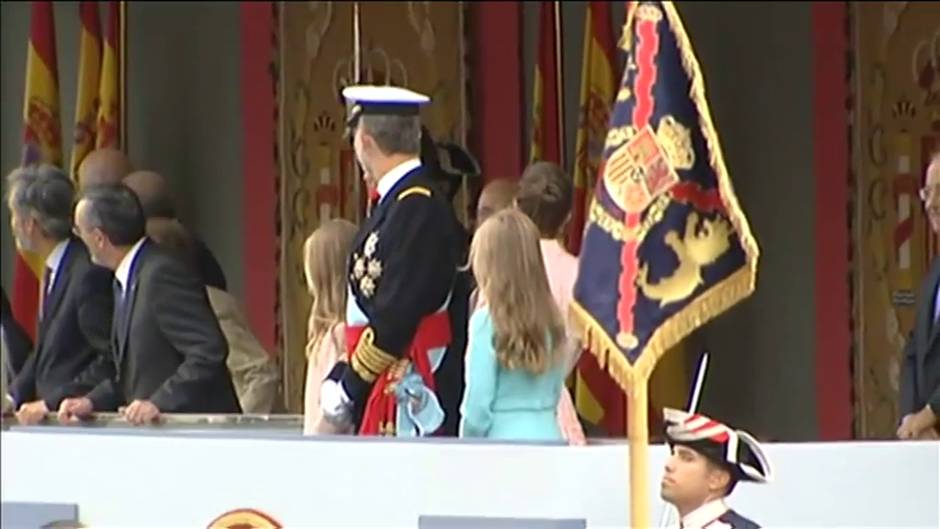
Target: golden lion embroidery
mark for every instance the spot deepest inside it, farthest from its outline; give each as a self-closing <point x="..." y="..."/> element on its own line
<point x="700" y="246"/>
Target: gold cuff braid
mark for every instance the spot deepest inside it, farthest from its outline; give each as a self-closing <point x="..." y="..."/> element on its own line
<point x="368" y="361"/>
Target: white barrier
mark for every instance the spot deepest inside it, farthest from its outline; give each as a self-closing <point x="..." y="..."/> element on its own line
<point x="123" y="478"/>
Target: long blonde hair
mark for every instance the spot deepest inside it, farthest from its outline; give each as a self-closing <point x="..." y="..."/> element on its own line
<point x="507" y="263"/>
<point x="325" y="254"/>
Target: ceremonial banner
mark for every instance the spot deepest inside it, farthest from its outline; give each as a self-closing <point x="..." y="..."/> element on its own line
<point x="108" y="133"/>
<point x="896" y="128"/>
<point x="667" y="247"/>
<point x="89" y="74"/>
<point x="546" y="115"/>
<point x="42" y="143"/>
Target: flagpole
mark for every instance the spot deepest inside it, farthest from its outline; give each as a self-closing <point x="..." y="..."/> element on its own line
<point x="559" y="85"/>
<point x="122" y="68"/>
<point x="666" y="514"/>
<point x="357" y="76"/>
<point x="638" y="434"/>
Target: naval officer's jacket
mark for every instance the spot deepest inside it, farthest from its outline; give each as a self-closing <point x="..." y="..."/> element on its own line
<point x="401" y="273"/>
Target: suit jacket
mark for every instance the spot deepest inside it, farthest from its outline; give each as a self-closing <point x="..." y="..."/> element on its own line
<point x="167" y="345"/>
<point x="208" y="267"/>
<point x="16" y="339"/>
<point x="920" y="375"/>
<point x="73" y="332"/>
<point x="254" y="372"/>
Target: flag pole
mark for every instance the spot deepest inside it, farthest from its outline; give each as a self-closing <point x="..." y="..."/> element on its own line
<point x="666" y="514"/>
<point x="559" y="85"/>
<point x="122" y="68"/>
<point x="638" y="434"/>
<point x="357" y="77"/>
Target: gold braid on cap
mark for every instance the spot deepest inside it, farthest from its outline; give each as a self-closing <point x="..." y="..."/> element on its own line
<point x="368" y="361"/>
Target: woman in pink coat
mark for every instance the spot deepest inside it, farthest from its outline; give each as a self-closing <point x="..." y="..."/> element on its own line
<point x="545" y="195"/>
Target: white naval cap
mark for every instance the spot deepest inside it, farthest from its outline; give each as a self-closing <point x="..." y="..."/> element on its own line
<point x="384" y="100"/>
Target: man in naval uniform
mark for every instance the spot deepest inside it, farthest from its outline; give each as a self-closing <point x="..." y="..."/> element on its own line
<point x="708" y="460"/>
<point x="401" y="274"/>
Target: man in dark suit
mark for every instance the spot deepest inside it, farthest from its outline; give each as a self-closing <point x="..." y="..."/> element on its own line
<point x="16" y="340"/>
<point x="154" y="194"/>
<point x="920" y="377"/>
<point x="75" y="308"/>
<point x="169" y="351"/>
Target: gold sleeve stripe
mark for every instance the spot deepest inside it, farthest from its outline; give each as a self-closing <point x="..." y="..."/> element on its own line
<point x="362" y="371"/>
<point x="417" y="190"/>
<point x="368" y="361"/>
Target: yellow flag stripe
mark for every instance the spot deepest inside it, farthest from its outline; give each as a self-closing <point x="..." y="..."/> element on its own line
<point x="89" y="73"/>
<point x="41" y="107"/>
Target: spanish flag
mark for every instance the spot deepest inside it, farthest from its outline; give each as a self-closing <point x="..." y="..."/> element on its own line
<point x="110" y="87"/>
<point x="546" y="103"/>
<point x="89" y="75"/>
<point x="597" y="398"/>
<point x="42" y="143"/>
<point x="667" y="247"/>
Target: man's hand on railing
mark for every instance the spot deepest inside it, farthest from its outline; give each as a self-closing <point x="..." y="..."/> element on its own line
<point x="141" y="412"/>
<point x="32" y="412"/>
<point x="75" y="409"/>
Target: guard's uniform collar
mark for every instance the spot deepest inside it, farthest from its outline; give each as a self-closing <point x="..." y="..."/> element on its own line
<point x="703" y="517"/>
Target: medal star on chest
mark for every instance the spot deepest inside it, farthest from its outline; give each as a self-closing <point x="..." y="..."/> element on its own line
<point x="359" y="267"/>
<point x="371" y="242"/>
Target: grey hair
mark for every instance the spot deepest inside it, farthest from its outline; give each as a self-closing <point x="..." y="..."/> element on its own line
<point x="394" y="134"/>
<point x="45" y="192"/>
<point x="116" y="211"/>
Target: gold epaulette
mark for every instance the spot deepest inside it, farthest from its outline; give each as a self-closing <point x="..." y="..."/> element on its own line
<point x="368" y="361"/>
<point x="416" y="190"/>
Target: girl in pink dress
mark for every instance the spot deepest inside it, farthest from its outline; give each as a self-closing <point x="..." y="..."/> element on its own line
<point x="325" y="253"/>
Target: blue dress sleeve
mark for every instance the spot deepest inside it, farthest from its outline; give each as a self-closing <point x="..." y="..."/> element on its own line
<point x="481" y="372"/>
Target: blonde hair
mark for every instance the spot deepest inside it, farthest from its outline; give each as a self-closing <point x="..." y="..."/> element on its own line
<point x="325" y="254"/>
<point x="507" y="263"/>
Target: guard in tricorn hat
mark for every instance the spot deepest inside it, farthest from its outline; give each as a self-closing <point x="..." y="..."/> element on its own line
<point x="708" y="460"/>
<point x="401" y="274"/>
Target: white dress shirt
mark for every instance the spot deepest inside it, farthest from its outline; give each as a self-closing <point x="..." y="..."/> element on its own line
<point x="54" y="262"/>
<point x="389" y="179"/>
<point x="123" y="272"/>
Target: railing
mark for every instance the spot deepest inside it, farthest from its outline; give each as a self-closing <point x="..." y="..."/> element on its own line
<point x="177" y="421"/>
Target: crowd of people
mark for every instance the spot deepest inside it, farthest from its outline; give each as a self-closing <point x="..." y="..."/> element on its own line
<point x="134" y="314"/>
<point x="416" y="327"/>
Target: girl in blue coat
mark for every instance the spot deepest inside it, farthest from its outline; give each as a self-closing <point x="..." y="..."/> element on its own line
<point x="514" y="372"/>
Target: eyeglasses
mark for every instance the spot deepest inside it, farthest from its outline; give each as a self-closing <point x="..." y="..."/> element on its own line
<point x="929" y="190"/>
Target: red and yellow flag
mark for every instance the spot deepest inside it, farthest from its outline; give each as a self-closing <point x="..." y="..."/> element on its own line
<point x="546" y="118"/>
<point x="598" y="82"/>
<point x="89" y="75"/>
<point x="42" y="143"/>
<point x="109" y="91"/>
<point x="42" y="135"/>
<point x="598" y="399"/>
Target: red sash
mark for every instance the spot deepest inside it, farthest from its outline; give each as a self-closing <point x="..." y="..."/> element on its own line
<point x="379" y="417"/>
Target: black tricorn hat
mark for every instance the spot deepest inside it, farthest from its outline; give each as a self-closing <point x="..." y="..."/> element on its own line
<point x="735" y="450"/>
<point x="447" y="162"/>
